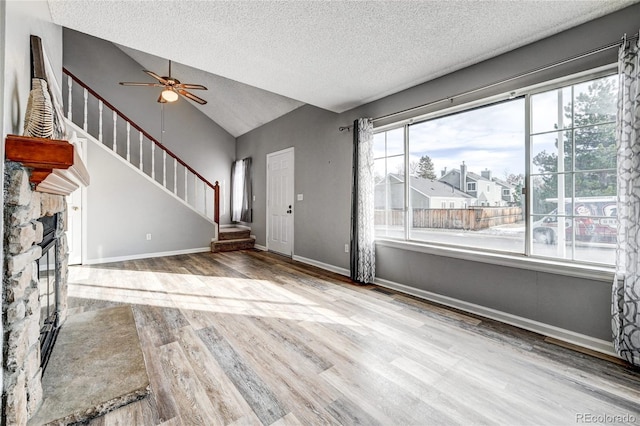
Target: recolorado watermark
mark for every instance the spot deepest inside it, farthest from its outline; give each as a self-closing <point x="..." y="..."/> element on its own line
<point x="605" y="418"/>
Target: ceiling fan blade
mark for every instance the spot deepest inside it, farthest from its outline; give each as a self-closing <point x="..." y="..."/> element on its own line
<point x="131" y="83"/>
<point x="192" y="97"/>
<point x="156" y="76"/>
<point x="161" y="99"/>
<point x="191" y="86"/>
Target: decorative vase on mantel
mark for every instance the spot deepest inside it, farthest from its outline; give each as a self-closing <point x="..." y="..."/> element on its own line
<point x="38" y="121"/>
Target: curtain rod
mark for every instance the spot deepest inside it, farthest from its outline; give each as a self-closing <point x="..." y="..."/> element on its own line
<point x="507" y="80"/>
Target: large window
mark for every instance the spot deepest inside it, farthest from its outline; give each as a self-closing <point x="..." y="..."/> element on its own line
<point x="573" y="171"/>
<point x="388" y="152"/>
<point x="460" y="179"/>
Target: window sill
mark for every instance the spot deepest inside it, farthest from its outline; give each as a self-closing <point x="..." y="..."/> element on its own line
<point x="592" y="272"/>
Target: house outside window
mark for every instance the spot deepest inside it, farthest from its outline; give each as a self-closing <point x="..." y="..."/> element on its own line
<point x="389" y="158"/>
<point x="571" y="175"/>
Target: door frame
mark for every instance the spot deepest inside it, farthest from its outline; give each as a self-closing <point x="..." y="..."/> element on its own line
<point x="81" y="148"/>
<point x="293" y="174"/>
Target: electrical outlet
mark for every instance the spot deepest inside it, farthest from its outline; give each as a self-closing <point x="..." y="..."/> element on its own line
<point x="346" y="248"/>
<point x="148" y="237"/>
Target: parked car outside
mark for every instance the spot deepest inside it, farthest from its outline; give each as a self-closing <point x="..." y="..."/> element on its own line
<point x="595" y="221"/>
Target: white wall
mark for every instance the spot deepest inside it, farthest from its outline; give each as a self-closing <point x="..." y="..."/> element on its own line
<point x="3" y="36"/>
<point x="18" y="21"/>
<point x="2" y="49"/>
<point x="23" y="19"/>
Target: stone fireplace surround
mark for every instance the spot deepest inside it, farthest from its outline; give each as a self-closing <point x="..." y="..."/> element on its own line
<point x="21" y="305"/>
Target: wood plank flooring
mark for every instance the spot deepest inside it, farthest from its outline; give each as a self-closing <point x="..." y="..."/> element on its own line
<point x="252" y="338"/>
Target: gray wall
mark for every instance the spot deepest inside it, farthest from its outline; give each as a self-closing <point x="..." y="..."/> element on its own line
<point x="123" y="206"/>
<point x="323" y="174"/>
<point x="190" y="134"/>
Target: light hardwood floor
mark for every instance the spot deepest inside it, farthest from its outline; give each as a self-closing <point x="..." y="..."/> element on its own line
<point x="250" y="338"/>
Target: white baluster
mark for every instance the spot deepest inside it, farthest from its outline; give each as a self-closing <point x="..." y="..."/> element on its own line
<point x="100" y="121"/>
<point x="115" y="120"/>
<point x="204" y="186"/>
<point x="195" y="191"/>
<point x="164" y="168"/>
<point x="128" y="141"/>
<point x="140" y="151"/>
<point x="186" y="186"/>
<point x="70" y="84"/>
<point x="175" y="175"/>
<point x="86" y="97"/>
<point x="153" y="160"/>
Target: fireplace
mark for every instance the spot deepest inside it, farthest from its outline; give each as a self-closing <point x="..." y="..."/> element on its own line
<point x="48" y="287"/>
<point x="35" y="291"/>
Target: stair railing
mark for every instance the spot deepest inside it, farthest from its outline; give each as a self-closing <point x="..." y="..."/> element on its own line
<point x="184" y="182"/>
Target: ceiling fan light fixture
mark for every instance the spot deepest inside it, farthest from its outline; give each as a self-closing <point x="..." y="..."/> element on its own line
<point x="169" y="95"/>
<point x="172" y="88"/>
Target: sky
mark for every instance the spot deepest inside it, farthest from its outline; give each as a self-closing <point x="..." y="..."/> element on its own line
<point x="486" y="138"/>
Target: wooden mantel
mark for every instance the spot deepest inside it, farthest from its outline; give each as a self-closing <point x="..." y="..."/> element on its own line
<point x="42" y="155"/>
<point x="57" y="167"/>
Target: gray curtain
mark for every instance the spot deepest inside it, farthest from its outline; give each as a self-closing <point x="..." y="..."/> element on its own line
<point x="363" y="258"/>
<point x="241" y="196"/>
<point x="247" y="196"/>
<point x="626" y="285"/>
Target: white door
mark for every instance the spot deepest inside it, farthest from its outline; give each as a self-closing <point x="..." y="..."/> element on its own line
<point x="280" y="201"/>
<point x="74" y="226"/>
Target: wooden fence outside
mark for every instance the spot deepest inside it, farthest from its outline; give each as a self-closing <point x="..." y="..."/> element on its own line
<point x="473" y="218"/>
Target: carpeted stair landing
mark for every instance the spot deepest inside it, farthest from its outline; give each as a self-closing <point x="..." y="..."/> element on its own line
<point x="96" y="366"/>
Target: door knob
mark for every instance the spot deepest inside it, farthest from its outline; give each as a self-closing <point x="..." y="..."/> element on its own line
<point x="75" y="207"/>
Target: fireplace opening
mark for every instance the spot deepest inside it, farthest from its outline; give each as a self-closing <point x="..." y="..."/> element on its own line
<point x="48" y="286"/>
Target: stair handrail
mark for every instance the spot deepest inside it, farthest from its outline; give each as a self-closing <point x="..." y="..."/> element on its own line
<point x="215" y="187"/>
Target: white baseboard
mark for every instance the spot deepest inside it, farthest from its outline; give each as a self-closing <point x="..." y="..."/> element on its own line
<point x="322" y="265"/>
<point x="145" y="256"/>
<point x="259" y="247"/>
<point x="558" y="333"/>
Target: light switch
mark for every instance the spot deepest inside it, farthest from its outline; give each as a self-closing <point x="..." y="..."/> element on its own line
<point x="300" y="197"/>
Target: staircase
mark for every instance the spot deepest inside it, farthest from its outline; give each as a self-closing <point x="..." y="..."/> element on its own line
<point x="233" y="238"/>
<point x="138" y="149"/>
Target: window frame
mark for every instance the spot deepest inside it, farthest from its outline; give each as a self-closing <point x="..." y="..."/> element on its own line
<point x="575" y="268"/>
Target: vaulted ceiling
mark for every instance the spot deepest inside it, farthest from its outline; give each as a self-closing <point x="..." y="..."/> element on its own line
<point x="261" y="59"/>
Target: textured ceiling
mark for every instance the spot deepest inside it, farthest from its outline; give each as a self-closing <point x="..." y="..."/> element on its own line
<point x="332" y="54"/>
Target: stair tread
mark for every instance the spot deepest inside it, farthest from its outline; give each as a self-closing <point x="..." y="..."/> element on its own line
<point x="233" y="233"/>
<point x="235" y="240"/>
<point x="233" y="244"/>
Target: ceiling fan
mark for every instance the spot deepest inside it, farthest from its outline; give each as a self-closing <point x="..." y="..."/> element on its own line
<point x="172" y="88"/>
